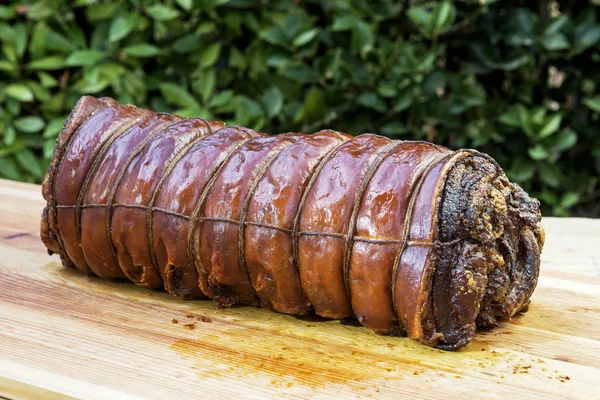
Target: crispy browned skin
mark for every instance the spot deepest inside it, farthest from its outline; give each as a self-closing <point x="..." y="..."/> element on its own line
<point x="273" y="213"/>
<point x="97" y="245"/>
<point x="102" y="127"/>
<point x="408" y="237"/>
<point x="138" y="189"/>
<point x="328" y="207"/>
<point x="381" y="216"/>
<point x="220" y="244"/>
<point x="84" y="109"/>
<point x="180" y="193"/>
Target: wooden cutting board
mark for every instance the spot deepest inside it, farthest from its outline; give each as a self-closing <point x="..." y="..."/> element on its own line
<point x="65" y="334"/>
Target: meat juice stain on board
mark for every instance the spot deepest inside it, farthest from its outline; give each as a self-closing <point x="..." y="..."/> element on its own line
<point x="283" y="359"/>
<point x="286" y="360"/>
<point x="311" y="358"/>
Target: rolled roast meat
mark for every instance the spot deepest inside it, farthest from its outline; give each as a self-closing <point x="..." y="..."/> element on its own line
<point x="405" y="236"/>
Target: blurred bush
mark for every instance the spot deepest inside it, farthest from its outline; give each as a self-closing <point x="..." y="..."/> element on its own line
<point x="516" y="79"/>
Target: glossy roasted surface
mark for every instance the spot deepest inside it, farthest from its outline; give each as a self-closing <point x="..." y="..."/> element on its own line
<point x="347" y="227"/>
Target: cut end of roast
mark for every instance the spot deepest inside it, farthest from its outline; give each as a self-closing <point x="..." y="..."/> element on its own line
<point x="489" y="267"/>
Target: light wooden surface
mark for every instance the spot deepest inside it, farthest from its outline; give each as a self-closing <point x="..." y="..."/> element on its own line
<point x="64" y="334"/>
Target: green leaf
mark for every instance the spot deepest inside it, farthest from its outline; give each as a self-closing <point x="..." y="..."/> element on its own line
<point x="134" y="85"/>
<point x="551" y="126"/>
<point x="344" y="23"/>
<point x="510" y="118"/>
<point x="10" y="52"/>
<point x="92" y="84"/>
<point x="524" y="120"/>
<point x="548" y="197"/>
<point x="387" y="90"/>
<point x="538" y="152"/>
<point x="141" y="50"/>
<point x="39" y="92"/>
<point x="393" y="128"/>
<point x="80" y="3"/>
<point x="550" y="174"/>
<point x="275" y="35"/>
<point x="76" y="35"/>
<point x="515" y="63"/>
<point x="420" y="17"/>
<point x="250" y="21"/>
<point x="299" y="73"/>
<point x="196" y="112"/>
<point x="207" y="83"/>
<point x="593" y="103"/>
<point x="53" y="128"/>
<point x="20" y="39"/>
<point x="101" y="11"/>
<point x="7" y="66"/>
<point x="404" y="100"/>
<point x="556" y="25"/>
<point x="569" y="199"/>
<point x="236" y="59"/>
<point x="278" y="60"/>
<point x="84" y="57"/>
<point x="210" y="55"/>
<point x="10" y="134"/>
<point x="39" y="11"/>
<point x="426" y="63"/>
<point x="362" y="38"/>
<point x="178" y="95"/>
<point x="187" y="43"/>
<point x="314" y="103"/>
<point x="29" y="124"/>
<point x="305" y="37"/>
<point x="273" y="101"/>
<point x="555" y="42"/>
<point x="246" y="110"/>
<point x="186" y="4"/>
<point x="206" y="27"/>
<point x="372" y="101"/>
<point x="48" y="148"/>
<point x="56" y="41"/>
<point x="565" y="140"/>
<point x="522" y="170"/>
<point x="29" y="162"/>
<point x="161" y="12"/>
<point x="7" y="12"/>
<point x="120" y="27"/>
<point x="13" y="107"/>
<point x="537" y="115"/>
<point x="6" y="32"/>
<point x="20" y="92"/>
<point x="9" y="170"/>
<point x="443" y="16"/>
<point x="586" y="35"/>
<point x="111" y="71"/>
<point x="221" y="99"/>
<point x="524" y="19"/>
<point x="434" y="81"/>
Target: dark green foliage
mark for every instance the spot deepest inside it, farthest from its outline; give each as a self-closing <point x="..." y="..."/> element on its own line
<point x="516" y="79"/>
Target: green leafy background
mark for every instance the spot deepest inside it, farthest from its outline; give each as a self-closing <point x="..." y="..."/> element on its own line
<point x="516" y="79"/>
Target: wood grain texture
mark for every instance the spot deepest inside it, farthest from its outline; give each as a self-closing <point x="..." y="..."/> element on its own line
<point x="64" y="334"/>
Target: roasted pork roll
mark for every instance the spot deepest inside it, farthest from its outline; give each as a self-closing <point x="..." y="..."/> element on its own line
<point x="408" y="237"/>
